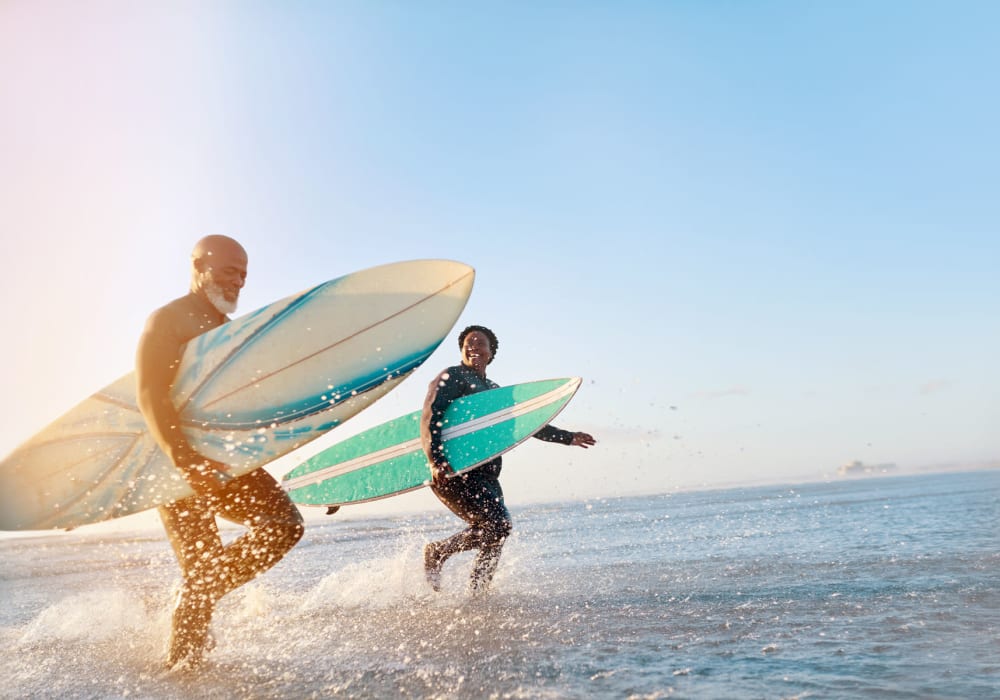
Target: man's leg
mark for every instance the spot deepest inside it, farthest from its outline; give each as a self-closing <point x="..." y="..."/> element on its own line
<point x="210" y="570"/>
<point x="494" y="534"/>
<point x="194" y="536"/>
<point x="274" y="525"/>
<point x="477" y="499"/>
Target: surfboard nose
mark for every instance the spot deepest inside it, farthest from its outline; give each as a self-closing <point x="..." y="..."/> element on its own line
<point x="449" y="277"/>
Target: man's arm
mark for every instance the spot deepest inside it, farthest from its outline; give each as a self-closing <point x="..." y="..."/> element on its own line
<point x="551" y="433"/>
<point x="157" y="360"/>
<point x="440" y="393"/>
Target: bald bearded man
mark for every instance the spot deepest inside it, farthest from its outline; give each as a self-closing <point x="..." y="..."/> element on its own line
<point x="256" y="500"/>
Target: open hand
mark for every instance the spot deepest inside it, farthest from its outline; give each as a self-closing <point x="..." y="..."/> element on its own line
<point x="583" y="440"/>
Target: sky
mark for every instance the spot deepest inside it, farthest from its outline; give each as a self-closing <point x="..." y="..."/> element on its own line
<point x="764" y="233"/>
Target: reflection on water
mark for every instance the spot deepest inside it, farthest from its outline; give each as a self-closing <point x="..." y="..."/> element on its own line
<point x="847" y="589"/>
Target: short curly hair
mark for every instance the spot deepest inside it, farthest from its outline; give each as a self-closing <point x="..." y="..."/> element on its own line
<point x="490" y="335"/>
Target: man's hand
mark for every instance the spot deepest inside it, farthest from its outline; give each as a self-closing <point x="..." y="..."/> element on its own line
<point x="440" y="472"/>
<point x="205" y="475"/>
<point x="583" y="440"/>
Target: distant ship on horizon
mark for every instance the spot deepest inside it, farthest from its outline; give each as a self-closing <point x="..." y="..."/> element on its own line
<point x="859" y="468"/>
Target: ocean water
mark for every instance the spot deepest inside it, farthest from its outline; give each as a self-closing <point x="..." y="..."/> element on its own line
<point x="868" y="588"/>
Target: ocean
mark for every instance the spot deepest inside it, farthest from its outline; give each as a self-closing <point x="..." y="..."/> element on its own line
<point x="866" y="588"/>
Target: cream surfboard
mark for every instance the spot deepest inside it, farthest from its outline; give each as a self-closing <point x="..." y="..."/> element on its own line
<point x="248" y="392"/>
<point x="388" y="459"/>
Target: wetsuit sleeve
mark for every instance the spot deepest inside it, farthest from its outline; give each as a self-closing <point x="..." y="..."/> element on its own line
<point x="444" y="389"/>
<point x="551" y="433"/>
<point x="157" y="360"/>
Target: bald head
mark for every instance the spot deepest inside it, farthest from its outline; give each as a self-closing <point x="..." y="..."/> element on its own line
<point x="217" y="247"/>
<point x="218" y="271"/>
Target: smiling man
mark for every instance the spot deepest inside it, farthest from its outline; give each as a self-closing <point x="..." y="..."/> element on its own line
<point x="474" y="495"/>
<point x="255" y="500"/>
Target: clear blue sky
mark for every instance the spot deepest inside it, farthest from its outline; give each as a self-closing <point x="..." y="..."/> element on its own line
<point x="765" y="233"/>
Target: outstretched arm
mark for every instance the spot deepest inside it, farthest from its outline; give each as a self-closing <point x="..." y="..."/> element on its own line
<point x="551" y="433"/>
<point x="157" y="360"/>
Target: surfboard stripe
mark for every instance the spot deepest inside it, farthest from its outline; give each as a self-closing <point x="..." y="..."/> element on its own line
<point x="259" y="378"/>
<point x="353" y="465"/>
<point x="258" y="332"/>
<point x="505" y="414"/>
<point x="317" y="404"/>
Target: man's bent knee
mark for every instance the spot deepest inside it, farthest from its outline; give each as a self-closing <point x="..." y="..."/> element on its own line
<point x="497" y="531"/>
<point x="286" y="532"/>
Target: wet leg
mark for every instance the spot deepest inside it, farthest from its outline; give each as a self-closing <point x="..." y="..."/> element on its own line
<point x="212" y="570"/>
<point x="437" y="553"/>
<point x="478" y="499"/>
<point x="194" y="536"/>
<point x="273" y="523"/>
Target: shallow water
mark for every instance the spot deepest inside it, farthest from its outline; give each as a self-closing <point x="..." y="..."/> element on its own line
<point x="882" y="588"/>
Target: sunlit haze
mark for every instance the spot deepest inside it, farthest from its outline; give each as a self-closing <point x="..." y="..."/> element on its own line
<point x="765" y="234"/>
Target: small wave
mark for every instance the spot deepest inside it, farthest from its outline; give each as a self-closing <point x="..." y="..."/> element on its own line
<point x="95" y="615"/>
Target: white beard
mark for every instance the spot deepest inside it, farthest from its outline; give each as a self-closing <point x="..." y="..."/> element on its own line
<point x="218" y="300"/>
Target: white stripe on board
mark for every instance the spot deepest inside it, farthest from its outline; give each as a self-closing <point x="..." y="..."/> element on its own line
<point x="403" y="448"/>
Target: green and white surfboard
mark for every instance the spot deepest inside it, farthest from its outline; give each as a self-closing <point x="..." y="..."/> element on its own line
<point x="389" y="459"/>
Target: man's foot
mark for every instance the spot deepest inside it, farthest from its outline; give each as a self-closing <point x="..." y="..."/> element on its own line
<point x="187" y="650"/>
<point x="191" y="662"/>
<point x="479" y="585"/>
<point x="433" y="561"/>
<point x="189" y="638"/>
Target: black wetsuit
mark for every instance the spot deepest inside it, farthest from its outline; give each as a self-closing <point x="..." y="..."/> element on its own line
<point x="475" y="495"/>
